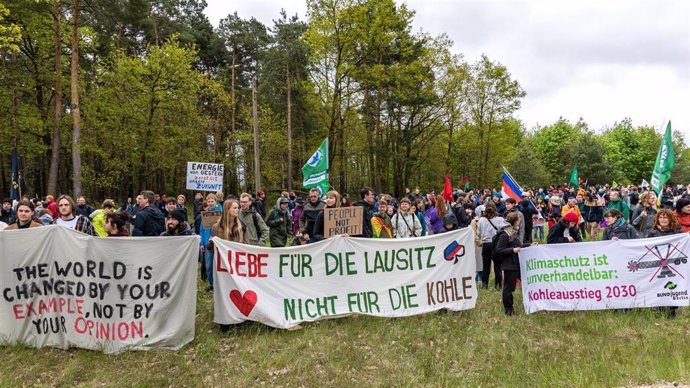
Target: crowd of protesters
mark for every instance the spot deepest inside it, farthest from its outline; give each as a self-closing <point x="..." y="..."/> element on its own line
<point x="501" y="226"/>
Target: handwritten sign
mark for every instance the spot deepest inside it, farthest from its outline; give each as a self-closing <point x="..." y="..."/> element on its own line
<point x="208" y="218"/>
<point x="75" y="290"/>
<point x="204" y="176"/>
<point x="343" y="220"/>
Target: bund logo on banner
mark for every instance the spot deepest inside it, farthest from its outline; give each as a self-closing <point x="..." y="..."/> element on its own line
<point x="607" y="274"/>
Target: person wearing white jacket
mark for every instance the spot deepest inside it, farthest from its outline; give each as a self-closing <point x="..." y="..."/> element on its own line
<point x="406" y="224"/>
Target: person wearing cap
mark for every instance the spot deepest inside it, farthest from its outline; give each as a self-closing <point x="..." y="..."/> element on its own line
<point x="8" y="215"/>
<point x="565" y="230"/>
<point x="683" y="213"/>
<point x="406" y="223"/>
<point x="175" y="225"/>
<point x="279" y="224"/>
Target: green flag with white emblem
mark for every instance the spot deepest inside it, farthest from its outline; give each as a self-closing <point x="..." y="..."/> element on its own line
<point x="665" y="161"/>
<point x="315" y="171"/>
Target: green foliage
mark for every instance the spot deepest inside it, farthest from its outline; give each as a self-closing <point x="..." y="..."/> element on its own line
<point x="159" y="86"/>
<point x="10" y="33"/>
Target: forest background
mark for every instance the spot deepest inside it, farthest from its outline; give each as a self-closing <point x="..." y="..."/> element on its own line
<point x="107" y="98"/>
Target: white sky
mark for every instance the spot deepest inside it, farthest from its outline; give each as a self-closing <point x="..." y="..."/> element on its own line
<point x="599" y="60"/>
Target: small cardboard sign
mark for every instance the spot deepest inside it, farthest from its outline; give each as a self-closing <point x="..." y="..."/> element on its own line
<point x="208" y="218"/>
<point x="343" y="220"/>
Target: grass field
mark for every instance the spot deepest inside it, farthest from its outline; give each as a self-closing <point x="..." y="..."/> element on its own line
<point x="471" y="348"/>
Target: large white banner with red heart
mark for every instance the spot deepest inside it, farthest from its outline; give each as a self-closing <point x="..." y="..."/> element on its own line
<point x="63" y="288"/>
<point x="341" y="276"/>
<point x="601" y="275"/>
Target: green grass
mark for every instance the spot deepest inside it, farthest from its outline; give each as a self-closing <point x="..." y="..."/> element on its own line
<point x="470" y="348"/>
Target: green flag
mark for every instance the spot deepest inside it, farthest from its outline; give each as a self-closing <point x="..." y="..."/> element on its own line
<point x="315" y="171"/>
<point x="665" y="161"/>
<point x="614" y="184"/>
<point x="573" y="177"/>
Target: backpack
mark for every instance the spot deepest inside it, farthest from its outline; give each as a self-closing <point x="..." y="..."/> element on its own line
<point x="256" y="223"/>
<point x="494" y="242"/>
<point x="494" y="239"/>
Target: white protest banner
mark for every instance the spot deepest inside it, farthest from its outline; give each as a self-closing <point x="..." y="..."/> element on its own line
<point x="340" y="276"/>
<point x="204" y="176"/>
<point x="63" y="288"/>
<point x="606" y="275"/>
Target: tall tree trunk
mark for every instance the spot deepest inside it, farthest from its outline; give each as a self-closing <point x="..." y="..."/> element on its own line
<point x="55" y="151"/>
<point x="289" y="129"/>
<point x="74" y="95"/>
<point x="255" y="124"/>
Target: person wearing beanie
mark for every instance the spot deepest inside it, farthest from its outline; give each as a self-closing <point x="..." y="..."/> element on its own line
<point x="565" y="230"/>
<point x="683" y="213"/>
<point x="175" y="225"/>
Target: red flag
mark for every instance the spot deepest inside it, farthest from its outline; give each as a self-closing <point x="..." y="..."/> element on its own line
<point x="448" y="191"/>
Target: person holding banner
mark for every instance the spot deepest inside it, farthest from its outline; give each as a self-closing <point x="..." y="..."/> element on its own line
<point x="205" y="234"/>
<point x="69" y="219"/>
<point x="508" y="246"/>
<point x="231" y="228"/>
<point x="617" y="228"/>
<point x="665" y="224"/>
<point x="25" y="216"/>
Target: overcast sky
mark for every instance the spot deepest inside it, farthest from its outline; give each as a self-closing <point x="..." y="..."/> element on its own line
<point x="599" y="60"/>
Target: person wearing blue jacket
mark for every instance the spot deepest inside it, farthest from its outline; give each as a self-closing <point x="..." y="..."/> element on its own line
<point x="205" y="234"/>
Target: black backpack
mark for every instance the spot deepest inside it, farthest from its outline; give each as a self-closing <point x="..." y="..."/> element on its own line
<point x="494" y="239"/>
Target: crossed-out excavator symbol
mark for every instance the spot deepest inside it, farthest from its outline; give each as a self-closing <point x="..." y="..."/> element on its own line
<point x="664" y="257"/>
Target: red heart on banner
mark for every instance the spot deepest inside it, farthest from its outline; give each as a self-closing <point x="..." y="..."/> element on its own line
<point x="245" y="303"/>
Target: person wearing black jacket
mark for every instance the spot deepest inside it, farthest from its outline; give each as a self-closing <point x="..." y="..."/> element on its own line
<point x="149" y="221"/>
<point x="528" y="211"/>
<point x="83" y="209"/>
<point x="508" y="246"/>
<point x="8" y="215"/>
<point x="459" y="208"/>
<point x="367" y="202"/>
<point x="565" y="230"/>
